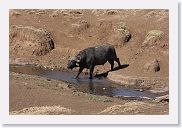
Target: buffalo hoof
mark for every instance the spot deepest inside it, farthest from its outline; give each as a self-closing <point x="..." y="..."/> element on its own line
<point x="76" y="78"/>
<point x="90" y="78"/>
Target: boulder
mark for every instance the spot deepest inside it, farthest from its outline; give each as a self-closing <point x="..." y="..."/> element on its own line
<point x="28" y="40"/>
<point x="152" y="66"/>
<point x="44" y="110"/>
<point x="123" y="34"/>
<point x="153" y="39"/>
<point x="130" y="107"/>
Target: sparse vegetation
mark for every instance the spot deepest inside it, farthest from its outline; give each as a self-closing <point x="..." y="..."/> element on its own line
<point x="48" y="38"/>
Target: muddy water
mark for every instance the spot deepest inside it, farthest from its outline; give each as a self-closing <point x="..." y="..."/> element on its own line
<point x="83" y="84"/>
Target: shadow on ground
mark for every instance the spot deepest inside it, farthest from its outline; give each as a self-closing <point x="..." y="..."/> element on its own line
<point x="105" y="74"/>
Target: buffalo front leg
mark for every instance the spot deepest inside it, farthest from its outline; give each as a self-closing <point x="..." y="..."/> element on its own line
<point x="80" y="70"/>
<point x="112" y="64"/>
<point x="91" y="71"/>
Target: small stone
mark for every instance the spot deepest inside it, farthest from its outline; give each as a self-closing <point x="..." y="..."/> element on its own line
<point x="48" y="79"/>
<point x="107" y="100"/>
<point x="141" y="90"/>
<point x="162" y="98"/>
<point x="25" y="83"/>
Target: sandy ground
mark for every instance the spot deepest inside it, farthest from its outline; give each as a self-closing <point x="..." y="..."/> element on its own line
<point x="33" y="33"/>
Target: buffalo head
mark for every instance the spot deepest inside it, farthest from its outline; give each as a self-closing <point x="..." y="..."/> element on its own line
<point x="72" y="63"/>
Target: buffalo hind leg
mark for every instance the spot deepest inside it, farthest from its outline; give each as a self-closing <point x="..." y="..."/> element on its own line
<point x="80" y="70"/>
<point x="117" y="60"/>
<point x="112" y="64"/>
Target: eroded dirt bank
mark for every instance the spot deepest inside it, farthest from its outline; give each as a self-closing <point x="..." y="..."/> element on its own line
<point x="50" y="37"/>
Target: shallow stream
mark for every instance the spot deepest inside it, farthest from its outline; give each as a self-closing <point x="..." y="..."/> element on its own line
<point x="94" y="86"/>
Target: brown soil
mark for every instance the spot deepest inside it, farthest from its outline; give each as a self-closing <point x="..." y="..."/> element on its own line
<point x="73" y="30"/>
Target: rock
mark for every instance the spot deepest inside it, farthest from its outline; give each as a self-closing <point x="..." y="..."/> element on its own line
<point x="140" y="90"/>
<point x="66" y="12"/>
<point x="152" y="38"/>
<point x="162" y="99"/>
<point x="64" y="86"/>
<point x="27" y="40"/>
<point x="58" y="12"/>
<point x="25" y="84"/>
<point x="130" y="107"/>
<point x="111" y="12"/>
<point x="121" y="27"/>
<point x="104" y="88"/>
<point x="44" y="110"/>
<point x="48" y="79"/>
<point x="14" y="13"/>
<point x="152" y="66"/>
<point x="123" y="34"/>
<point x="75" y="12"/>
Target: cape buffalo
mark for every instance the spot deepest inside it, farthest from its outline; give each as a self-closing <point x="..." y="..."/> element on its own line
<point x="92" y="56"/>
